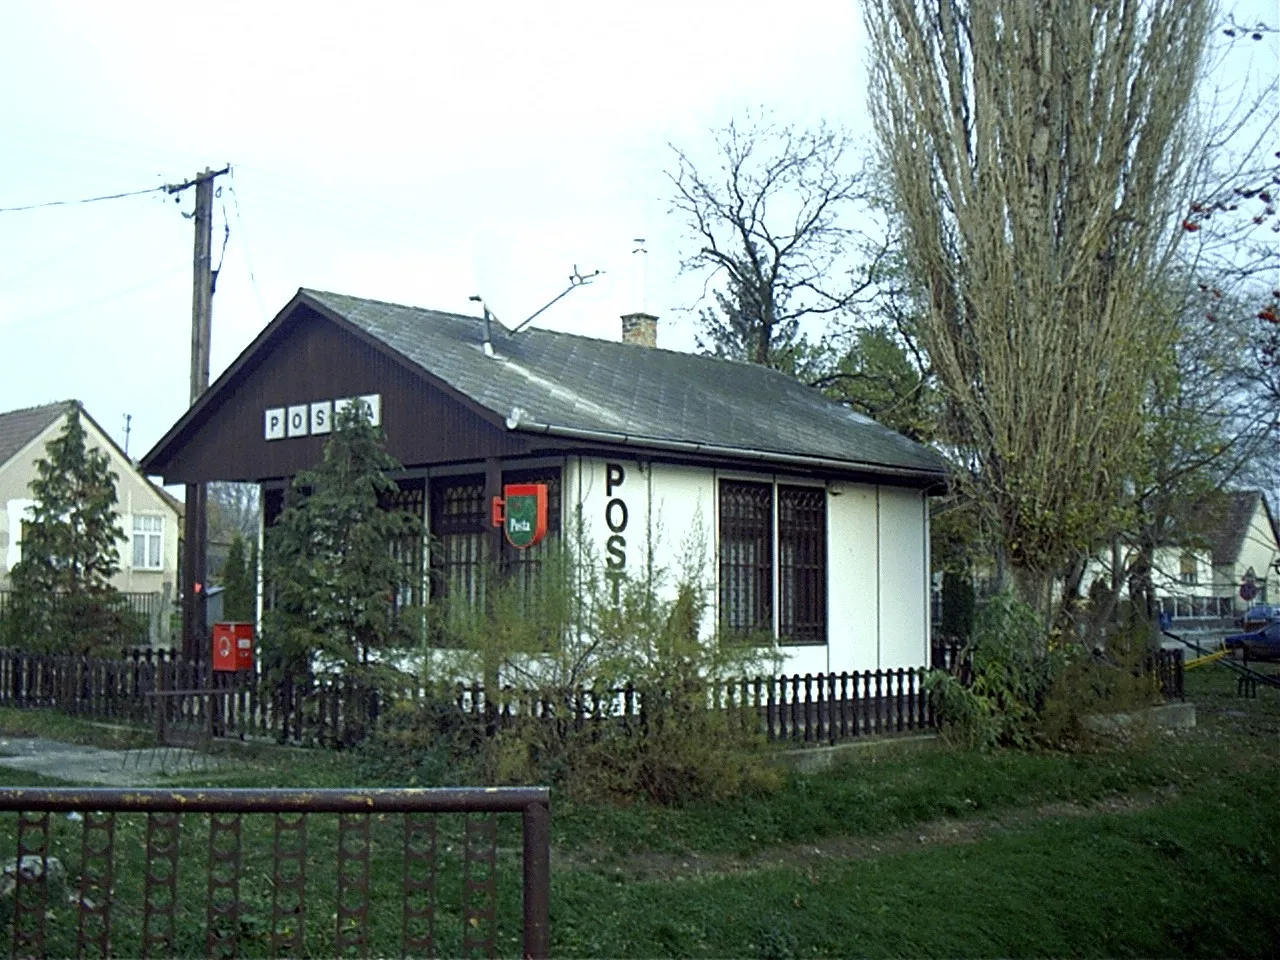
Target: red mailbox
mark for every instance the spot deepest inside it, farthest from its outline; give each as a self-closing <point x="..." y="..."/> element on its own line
<point x="233" y="646"/>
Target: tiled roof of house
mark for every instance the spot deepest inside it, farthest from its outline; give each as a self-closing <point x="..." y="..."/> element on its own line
<point x="588" y="387"/>
<point x="20" y="427"/>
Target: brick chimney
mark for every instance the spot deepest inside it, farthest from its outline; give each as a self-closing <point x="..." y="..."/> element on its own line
<point x="640" y="329"/>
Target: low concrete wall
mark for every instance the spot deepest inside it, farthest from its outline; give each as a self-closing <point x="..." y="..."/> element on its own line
<point x="1169" y="716"/>
<point x="818" y="759"/>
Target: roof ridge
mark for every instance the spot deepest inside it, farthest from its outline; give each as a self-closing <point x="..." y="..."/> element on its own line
<point x="678" y="353"/>
<point x="510" y="334"/>
<point x="391" y="303"/>
<point x="43" y="406"/>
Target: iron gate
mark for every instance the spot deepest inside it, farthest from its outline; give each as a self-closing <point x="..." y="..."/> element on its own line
<point x="133" y="881"/>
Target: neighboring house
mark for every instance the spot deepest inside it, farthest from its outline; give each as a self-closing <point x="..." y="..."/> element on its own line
<point x="814" y="519"/>
<point x="1204" y="579"/>
<point x="148" y="517"/>
<point x="1246" y="550"/>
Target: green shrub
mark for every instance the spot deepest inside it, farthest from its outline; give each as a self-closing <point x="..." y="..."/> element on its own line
<point x="1012" y="672"/>
<point x="562" y="628"/>
<point x="968" y="718"/>
<point x="1111" y="680"/>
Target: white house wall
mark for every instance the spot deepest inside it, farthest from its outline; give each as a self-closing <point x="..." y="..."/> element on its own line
<point x="903" y="596"/>
<point x="134" y="495"/>
<point x="877" y="552"/>
<point x="853" y="593"/>
<point x="645" y="520"/>
<point x="1259" y="552"/>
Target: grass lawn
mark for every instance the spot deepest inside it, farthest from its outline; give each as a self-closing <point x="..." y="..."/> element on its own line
<point x="1168" y="847"/>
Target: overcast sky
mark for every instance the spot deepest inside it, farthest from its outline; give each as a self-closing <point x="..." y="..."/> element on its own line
<point x="412" y="152"/>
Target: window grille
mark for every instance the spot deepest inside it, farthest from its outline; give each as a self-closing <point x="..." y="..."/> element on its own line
<point x="407" y="549"/>
<point x="802" y="564"/>
<point x="459" y="524"/>
<point x="746" y="557"/>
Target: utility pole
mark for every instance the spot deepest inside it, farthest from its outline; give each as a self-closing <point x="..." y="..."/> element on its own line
<point x="195" y="527"/>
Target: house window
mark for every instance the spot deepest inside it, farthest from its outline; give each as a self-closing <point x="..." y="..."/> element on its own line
<point x="463" y="533"/>
<point x="148" y="542"/>
<point x="752" y="547"/>
<point x="802" y="564"/>
<point x="459" y="524"/>
<point x="1188" y="569"/>
<point x="746" y="557"/>
<point x="407" y="549"/>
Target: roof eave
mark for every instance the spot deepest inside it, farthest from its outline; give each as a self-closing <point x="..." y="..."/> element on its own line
<point x="933" y="480"/>
<point x="161" y="448"/>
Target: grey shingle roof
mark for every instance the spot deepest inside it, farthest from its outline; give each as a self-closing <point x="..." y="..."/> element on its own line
<point x="643" y="393"/>
<point x="20" y="427"/>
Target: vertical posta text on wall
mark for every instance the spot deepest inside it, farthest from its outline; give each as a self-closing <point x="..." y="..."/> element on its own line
<point x="615" y="518"/>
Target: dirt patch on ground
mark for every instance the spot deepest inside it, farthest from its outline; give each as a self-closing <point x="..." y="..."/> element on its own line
<point x="945" y="831"/>
<point x="94" y="766"/>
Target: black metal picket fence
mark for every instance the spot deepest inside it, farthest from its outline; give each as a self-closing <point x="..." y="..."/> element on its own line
<point x="138" y="618"/>
<point x="161" y="689"/>
<point x="809" y="709"/>
<point x="173" y="695"/>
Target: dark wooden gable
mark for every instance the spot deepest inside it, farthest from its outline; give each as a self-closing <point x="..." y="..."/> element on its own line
<point x="306" y="356"/>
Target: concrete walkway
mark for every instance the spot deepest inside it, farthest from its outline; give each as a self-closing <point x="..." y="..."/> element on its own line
<point x="93" y="766"/>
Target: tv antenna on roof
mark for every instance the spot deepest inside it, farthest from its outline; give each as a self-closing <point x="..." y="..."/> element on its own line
<point x="576" y="279"/>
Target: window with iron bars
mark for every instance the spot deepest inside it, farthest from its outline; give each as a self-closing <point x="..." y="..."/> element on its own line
<point x="460" y="523"/>
<point x="752" y="547"/>
<point x="460" y="556"/>
<point x="408" y="497"/>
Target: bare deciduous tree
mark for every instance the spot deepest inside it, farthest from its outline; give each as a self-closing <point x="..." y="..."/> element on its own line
<point x="773" y="224"/>
<point x="1040" y="157"/>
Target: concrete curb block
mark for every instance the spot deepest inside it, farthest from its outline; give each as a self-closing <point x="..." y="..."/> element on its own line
<point x="1169" y="716"/>
<point x="818" y="759"/>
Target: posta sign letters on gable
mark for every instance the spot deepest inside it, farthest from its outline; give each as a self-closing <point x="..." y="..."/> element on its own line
<point x="522" y="513"/>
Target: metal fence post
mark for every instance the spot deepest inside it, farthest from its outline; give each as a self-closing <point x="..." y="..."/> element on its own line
<point x="537" y="880"/>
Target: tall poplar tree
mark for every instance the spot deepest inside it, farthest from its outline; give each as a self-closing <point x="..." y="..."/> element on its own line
<point x="1040" y="157"/>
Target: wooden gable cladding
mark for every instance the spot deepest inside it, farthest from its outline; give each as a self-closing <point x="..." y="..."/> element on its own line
<point x="309" y="357"/>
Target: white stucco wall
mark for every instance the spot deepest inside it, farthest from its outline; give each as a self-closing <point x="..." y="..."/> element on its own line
<point x="1259" y="552"/>
<point x="646" y="520"/>
<point x="1166" y="572"/>
<point x="903" y="565"/>
<point x="638" y="516"/>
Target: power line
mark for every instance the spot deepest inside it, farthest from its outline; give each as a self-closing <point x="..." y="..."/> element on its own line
<point x="244" y="246"/>
<point x="83" y="306"/>
<point x="68" y="203"/>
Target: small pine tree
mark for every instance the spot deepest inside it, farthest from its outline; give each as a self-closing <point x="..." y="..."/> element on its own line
<point x="62" y="595"/>
<point x="329" y="560"/>
<point x="238" y="582"/>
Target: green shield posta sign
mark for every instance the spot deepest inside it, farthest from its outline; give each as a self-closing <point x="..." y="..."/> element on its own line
<point x="524" y="513"/>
